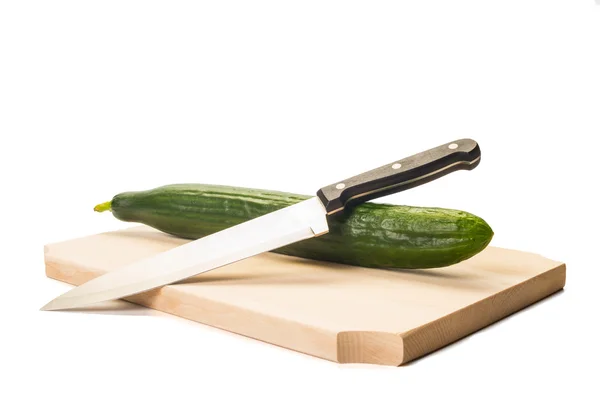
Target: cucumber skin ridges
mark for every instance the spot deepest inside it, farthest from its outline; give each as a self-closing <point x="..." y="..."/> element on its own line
<point x="368" y="235"/>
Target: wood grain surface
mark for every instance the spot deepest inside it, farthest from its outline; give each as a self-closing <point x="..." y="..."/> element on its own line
<point x="337" y="312"/>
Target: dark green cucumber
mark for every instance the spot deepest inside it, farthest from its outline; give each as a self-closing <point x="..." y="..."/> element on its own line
<point x="368" y="235"/>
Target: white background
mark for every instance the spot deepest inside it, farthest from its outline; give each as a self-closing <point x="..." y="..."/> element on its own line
<point x="97" y="98"/>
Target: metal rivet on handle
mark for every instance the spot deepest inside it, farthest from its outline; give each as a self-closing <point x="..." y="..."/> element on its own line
<point x="340" y="186"/>
<point x="396" y="166"/>
<point x="453" y="146"/>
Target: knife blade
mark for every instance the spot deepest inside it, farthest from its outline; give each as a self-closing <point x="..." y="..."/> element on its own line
<point x="300" y="221"/>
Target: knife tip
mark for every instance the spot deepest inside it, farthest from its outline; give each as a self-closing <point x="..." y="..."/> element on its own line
<point x="49" y="307"/>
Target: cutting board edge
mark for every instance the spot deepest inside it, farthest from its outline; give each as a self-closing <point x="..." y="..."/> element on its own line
<point x="451" y="328"/>
<point x="365" y="347"/>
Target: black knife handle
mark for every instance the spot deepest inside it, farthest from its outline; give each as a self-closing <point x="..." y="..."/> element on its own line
<point x="401" y="175"/>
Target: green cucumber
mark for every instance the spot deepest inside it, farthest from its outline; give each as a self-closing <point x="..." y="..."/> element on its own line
<point x="368" y="235"/>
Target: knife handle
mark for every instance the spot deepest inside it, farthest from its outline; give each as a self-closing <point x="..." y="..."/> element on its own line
<point x="463" y="154"/>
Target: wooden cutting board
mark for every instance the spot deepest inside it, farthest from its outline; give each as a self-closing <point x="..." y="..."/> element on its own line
<point x="337" y="312"/>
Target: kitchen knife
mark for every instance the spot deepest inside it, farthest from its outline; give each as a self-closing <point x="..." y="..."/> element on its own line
<point x="300" y="221"/>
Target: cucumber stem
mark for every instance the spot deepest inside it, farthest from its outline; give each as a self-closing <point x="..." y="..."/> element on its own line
<point x="102" y="207"/>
